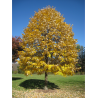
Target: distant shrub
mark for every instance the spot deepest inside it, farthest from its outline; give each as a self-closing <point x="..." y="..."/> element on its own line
<point x="14" y="72"/>
<point x="80" y="73"/>
<point x="19" y="71"/>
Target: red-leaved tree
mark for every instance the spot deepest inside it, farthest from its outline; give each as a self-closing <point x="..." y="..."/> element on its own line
<point x="15" y="47"/>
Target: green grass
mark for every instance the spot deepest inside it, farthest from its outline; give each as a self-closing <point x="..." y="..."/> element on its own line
<point x="73" y="83"/>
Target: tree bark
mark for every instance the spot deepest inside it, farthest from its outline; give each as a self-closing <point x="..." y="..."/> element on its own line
<point x="46" y="74"/>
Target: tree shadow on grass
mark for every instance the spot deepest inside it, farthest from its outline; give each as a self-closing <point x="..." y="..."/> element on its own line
<point x="16" y="78"/>
<point x="37" y="84"/>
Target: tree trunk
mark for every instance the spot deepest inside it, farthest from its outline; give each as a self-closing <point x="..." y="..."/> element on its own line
<point x="46" y="74"/>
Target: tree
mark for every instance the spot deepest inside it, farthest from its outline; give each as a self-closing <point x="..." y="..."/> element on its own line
<point x="78" y="47"/>
<point x="81" y="57"/>
<point x="48" y="45"/>
<point x="15" y="47"/>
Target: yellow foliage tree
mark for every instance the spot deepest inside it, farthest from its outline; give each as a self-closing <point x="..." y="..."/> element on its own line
<point x="48" y="45"/>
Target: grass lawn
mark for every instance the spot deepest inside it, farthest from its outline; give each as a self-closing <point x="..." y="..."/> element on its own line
<point x="22" y="85"/>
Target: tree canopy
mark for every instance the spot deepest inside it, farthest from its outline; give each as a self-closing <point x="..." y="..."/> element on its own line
<point x="48" y="45"/>
<point x="15" y="47"/>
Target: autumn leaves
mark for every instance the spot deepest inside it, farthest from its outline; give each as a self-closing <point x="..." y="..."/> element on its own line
<point x="48" y="34"/>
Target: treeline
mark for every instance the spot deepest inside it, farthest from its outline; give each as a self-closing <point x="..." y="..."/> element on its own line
<point x="81" y="59"/>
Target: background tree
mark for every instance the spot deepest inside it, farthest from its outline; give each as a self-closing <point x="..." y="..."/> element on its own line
<point x="81" y="58"/>
<point x="78" y="47"/>
<point x="48" y="45"/>
<point x="15" y="47"/>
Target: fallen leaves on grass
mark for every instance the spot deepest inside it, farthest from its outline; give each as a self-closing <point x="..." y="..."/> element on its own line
<point x="38" y="93"/>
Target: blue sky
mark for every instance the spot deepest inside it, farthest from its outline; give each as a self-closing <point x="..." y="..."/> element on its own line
<point x="73" y="11"/>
